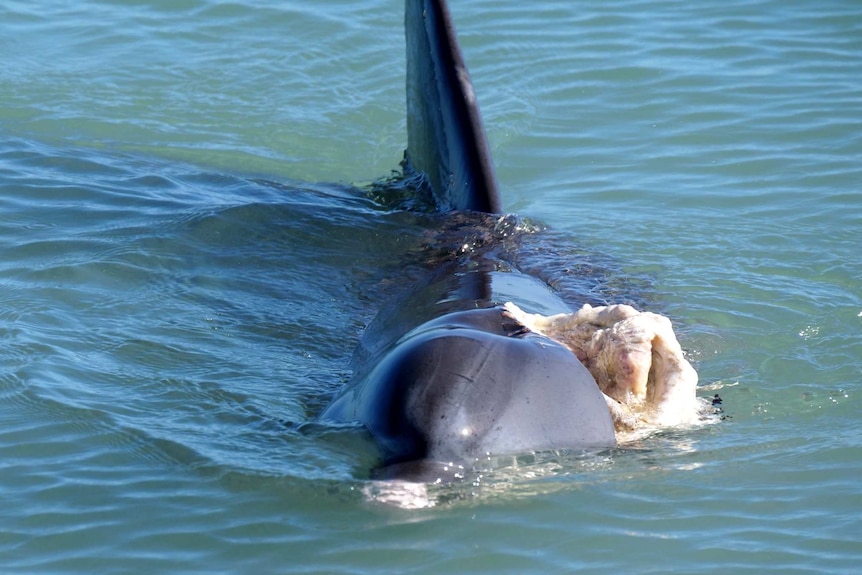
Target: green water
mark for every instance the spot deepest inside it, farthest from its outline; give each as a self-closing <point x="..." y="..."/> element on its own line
<point x="189" y="260"/>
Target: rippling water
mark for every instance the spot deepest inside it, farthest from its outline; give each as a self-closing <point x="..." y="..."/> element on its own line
<point x="190" y="256"/>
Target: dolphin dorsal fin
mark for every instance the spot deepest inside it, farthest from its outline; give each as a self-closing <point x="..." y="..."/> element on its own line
<point x="445" y="136"/>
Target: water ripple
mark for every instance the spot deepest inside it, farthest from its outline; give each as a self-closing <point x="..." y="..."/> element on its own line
<point x="170" y="325"/>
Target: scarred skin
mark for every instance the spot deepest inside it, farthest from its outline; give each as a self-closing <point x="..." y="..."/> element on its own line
<point x="634" y="357"/>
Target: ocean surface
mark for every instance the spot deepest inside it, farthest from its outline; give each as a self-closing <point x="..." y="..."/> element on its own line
<point x="192" y="246"/>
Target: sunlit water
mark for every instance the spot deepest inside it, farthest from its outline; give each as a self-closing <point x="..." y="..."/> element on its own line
<point x="190" y="257"/>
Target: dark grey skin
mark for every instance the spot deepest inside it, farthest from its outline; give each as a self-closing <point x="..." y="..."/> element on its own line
<point x="445" y="136"/>
<point x="473" y="383"/>
<point x="442" y="375"/>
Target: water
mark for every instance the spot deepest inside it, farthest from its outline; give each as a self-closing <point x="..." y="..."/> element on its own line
<point x="189" y="259"/>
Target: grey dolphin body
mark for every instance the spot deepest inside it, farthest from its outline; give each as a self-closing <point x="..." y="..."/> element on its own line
<point x="442" y="374"/>
<point x="471" y="383"/>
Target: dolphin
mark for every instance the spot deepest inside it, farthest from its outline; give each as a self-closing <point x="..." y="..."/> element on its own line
<point x="442" y="373"/>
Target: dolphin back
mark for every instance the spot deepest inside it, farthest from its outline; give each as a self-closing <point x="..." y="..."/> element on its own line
<point x="445" y="136"/>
